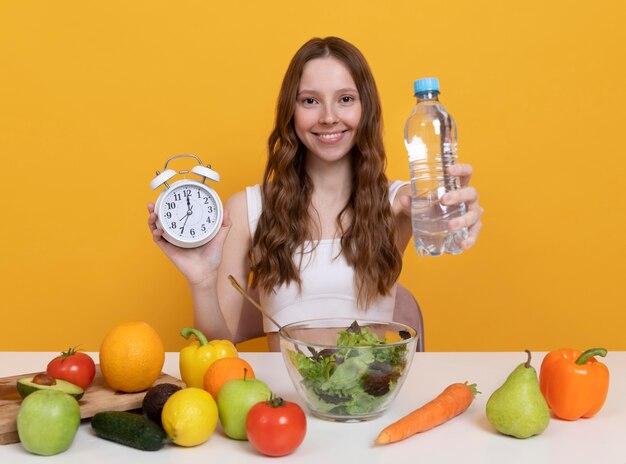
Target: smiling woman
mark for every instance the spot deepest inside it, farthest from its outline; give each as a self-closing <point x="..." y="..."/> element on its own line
<point x="323" y="236"/>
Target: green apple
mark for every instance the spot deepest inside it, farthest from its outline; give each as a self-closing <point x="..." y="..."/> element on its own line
<point x="234" y="401"/>
<point x="47" y="422"/>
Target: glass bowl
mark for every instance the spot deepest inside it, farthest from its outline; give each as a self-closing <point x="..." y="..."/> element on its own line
<point x="345" y="369"/>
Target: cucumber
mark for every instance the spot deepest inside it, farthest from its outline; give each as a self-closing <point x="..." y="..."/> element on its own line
<point x="129" y="429"/>
<point x="28" y="385"/>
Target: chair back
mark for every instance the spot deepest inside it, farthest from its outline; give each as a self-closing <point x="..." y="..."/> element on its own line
<point x="408" y="311"/>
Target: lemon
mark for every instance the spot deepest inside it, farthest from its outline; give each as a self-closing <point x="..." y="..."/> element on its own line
<point x="189" y="416"/>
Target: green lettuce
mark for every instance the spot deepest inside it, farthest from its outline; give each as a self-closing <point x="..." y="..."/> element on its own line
<point x="347" y="380"/>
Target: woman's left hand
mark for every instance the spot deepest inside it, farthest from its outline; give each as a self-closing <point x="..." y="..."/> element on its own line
<point x="468" y="195"/>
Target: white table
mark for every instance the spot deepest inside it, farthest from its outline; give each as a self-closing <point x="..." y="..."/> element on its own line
<point x="468" y="438"/>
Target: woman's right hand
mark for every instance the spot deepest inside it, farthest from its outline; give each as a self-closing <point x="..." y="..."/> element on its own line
<point x="196" y="264"/>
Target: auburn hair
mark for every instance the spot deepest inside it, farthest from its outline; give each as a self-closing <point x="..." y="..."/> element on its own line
<point x="368" y="241"/>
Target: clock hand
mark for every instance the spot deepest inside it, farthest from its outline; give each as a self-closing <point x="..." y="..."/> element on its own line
<point x="187" y="214"/>
<point x="182" y="229"/>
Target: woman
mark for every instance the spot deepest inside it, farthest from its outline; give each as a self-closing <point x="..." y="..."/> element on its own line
<point x="325" y="232"/>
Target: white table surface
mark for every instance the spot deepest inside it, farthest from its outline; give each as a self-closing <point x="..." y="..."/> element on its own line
<point x="468" y="438"/>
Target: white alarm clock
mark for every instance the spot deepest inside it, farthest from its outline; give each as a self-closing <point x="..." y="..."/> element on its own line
<point x="189" y="212"/>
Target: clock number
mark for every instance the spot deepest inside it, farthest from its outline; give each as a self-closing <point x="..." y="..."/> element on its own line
<point x="210" y="209"/>
<point x="206" y="199"/>
<point x="171" y="205"/>
<point x="192" y="232"/>
<point x="208" y="220"/>
<point x="173" y="225"/>
<point x="185" y="193"/>
<point x="203" y="228"/>
<point x="168" y="215"/>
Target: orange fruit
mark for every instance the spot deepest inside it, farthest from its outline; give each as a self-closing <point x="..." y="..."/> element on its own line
<point x="223" y="370"/>
<point x="131" y="356"/>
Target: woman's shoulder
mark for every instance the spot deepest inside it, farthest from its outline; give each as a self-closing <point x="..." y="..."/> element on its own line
<point x="241" y="198"/>
<point x="245" y="206"/>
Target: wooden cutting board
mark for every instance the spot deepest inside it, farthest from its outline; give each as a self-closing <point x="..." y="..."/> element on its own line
<point x="98" y="397"/>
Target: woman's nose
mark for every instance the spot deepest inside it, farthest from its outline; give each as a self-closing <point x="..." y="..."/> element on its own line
<point x="328" y="115"/>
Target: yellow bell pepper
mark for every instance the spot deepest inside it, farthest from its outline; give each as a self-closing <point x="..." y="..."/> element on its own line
<point x="196" y="357"/>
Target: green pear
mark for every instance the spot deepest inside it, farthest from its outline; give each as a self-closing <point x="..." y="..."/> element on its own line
<point x="518" y="408"/>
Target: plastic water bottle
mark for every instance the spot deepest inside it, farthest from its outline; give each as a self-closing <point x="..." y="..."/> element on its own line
<point x="430" y="136"/>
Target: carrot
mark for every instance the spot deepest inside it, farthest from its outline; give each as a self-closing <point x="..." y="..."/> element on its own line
<point x="454" y="400"/>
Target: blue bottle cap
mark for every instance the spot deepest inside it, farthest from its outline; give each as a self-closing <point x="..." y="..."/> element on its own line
<point x="427" y="84"/>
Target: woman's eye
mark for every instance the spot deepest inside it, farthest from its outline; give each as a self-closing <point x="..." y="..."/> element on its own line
<point x="346" y="99"/>
<point x="309" y="101"/>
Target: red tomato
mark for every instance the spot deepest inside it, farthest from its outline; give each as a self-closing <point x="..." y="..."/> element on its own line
<point x="276" y="427"/>
<point x="73" y="366"/>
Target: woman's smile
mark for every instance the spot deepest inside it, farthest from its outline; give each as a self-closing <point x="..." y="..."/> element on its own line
<point x="330" y="137"/>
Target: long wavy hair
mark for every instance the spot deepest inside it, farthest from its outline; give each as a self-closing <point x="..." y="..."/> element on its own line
<point x="366" y="223"/>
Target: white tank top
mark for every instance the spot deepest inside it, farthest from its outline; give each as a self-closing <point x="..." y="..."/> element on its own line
<point x="328" y="288"/>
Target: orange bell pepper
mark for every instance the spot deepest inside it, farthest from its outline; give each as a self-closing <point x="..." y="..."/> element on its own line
<point x="573" y="383"/>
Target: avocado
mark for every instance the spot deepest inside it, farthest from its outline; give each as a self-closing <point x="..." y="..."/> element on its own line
<point x="155" y="399"/>
<point x="28" y="385"/>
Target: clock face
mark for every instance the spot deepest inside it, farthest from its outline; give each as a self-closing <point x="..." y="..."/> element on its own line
<point x="190" y="213"/>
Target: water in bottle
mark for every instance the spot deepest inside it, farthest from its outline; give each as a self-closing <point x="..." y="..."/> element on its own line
<point x="430" y="136"/>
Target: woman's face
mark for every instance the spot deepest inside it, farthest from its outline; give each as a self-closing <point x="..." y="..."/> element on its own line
<point x="328" y="109"/>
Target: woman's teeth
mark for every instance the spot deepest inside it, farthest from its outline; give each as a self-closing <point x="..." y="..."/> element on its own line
<point x="330" y="136"/>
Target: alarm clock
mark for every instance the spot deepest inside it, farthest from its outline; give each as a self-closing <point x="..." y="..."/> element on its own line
<point x="189" y="212"/>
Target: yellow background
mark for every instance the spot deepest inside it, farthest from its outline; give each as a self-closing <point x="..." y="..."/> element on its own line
<point x="94" y="96"/>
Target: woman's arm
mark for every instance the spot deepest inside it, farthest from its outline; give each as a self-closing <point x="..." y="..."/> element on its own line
<point x="242" y="319"/>
<point x="218" y="307"/>
<point x="401" y="208"/>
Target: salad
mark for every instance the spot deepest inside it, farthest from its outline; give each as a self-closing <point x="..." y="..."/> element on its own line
<point x="348" y="380"/>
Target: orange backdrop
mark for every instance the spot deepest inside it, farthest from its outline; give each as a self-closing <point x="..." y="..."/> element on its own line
<point x="96" y="95"/>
